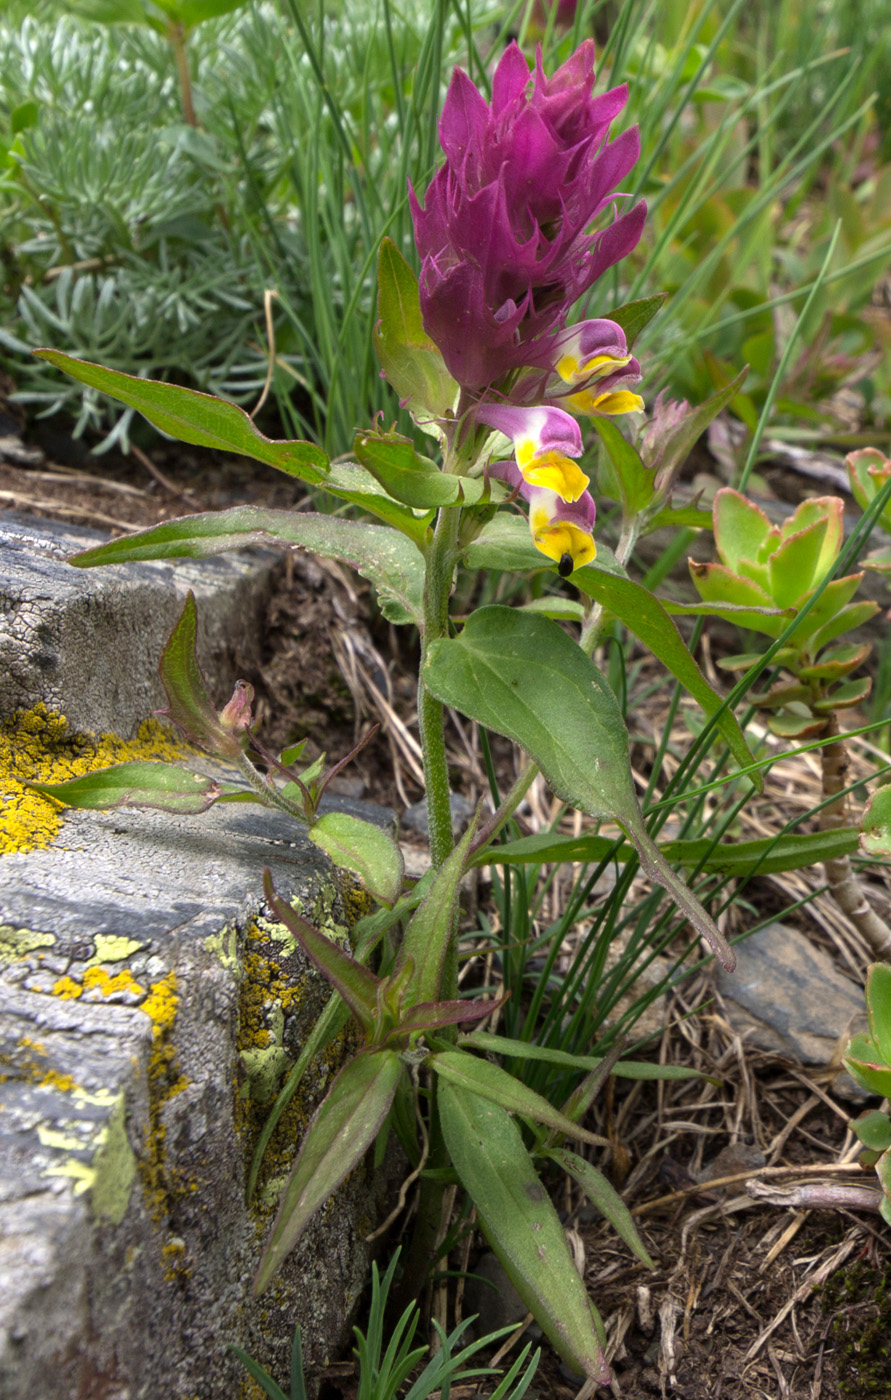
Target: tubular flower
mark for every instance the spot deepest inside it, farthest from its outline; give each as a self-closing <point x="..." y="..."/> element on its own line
<point x="563" y="530"/>
<point x="504" y="252"/>
<point x="545" y="441"/>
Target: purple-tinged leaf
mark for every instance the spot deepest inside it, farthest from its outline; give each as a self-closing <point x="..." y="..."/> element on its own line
<point x="344" y="1125"/>
<point x="427" y="1015"/>
<point x="197" y="418"/>
<point x="864" y="1061"/>
<point x="163" y="786"/>
<point x="189" y="705"/>
<point x="355" y="983"/>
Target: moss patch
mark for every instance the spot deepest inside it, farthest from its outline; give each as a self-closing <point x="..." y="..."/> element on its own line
<point x="36" y="747"/>
<point x="859" y="1301"/>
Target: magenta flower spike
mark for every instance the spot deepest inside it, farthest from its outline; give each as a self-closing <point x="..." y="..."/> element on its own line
<point x="563" y="530"/>
<point x="545" y="441"/>
<point x="502" y="234"/>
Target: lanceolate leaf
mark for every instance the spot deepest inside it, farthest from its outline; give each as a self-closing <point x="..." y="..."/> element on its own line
<point x="414" y="479"/>
<point x="529" y="1050"/>
<point x="385" y="557"/>
<point x="197" y="418"/>
<point x="645" y="616"/>
<point x="634" y="315"/>
<point x="522" y="1225"/>
<point x="355" y="983"/>
<point x="350" y="482"/>
<point x="409" y="358"/>
<point x="521" y="676"/>
<point x="342" y="1128"/>
<point x="769" y="855"/>
<point x="188" y="699"/>
<point x="366" y="850"/>
<point x="491" y="1082"/>
<point x="164" y="786"/>
<point x="605" y="1197"/>
<point x="429" y="934"/>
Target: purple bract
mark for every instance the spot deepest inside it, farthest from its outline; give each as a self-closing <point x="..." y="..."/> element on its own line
<point x="502" y="235"/>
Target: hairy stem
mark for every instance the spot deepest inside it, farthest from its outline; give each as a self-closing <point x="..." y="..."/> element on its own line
<point x="269" y="795"/>
<point x="840" y="874"/>
<point x="437" y="587"/>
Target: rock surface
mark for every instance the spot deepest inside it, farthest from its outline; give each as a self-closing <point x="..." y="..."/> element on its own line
<point x="787" y="997"/>
<point x="148" y="1014"/>
<point x="87" y="642"/>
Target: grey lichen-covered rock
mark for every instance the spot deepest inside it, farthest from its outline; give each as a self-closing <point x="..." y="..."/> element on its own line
<point x="147" y="1014"/>
<point x="86" y="642"/>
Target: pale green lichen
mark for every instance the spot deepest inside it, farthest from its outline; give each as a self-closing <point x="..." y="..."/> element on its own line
<point x="36" y="747"/>
<point x="115" y="1169"/>
<point x="224" y="947"/>
<point x="17" y="943"/>
<point x="111" y="949"/>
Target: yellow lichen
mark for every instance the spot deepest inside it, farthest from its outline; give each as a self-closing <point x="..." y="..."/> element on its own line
<point x="99" y="979"/>
<point x="164" y="1082"/>
<point x="36" y="747"/>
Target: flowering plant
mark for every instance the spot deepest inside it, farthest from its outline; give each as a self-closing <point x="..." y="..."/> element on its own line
<point x="519" y="222"/>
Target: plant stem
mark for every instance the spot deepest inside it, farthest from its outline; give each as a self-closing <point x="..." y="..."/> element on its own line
<point x="269" y="795"/>
<point x="176" y="33"/>
<point x="840" y="875"/>
<point x="437" y="587"/>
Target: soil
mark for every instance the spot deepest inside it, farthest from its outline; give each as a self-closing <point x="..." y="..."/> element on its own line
<point x="748" y="1301"/>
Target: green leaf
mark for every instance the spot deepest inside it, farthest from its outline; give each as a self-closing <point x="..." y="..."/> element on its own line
<point x="844" y="697"/>
<point x="529" y="1050"/>
<point x="769" y="854"/>
<point x="878" y="1006"/>
<point x="646" y="618"/>
<point x="741" y="529"/>
<point x="845" y="620"/>
<point x="163" y="786"/>
<point x="629" y="481"/>
<point x="505" y="544"/>
<point x="357" y="986"/>
<point x="634" y="315"/>
<point x="836" y="663"/>
<point x="492" y="1082"/>
<point x="197" y="418"/>
<point x="829" y="604"/>
<point x="386" y="558"/>
<point x="350" y="482"/>
<point x="792" y="568"/>
<point x="415" y="480"/>
<point x="675" y="446"/>
<point x="364" y="849"/>
<point x="719" y="586"/>
<point x="521" y="1225"/>
<point x="521" y="676"/>
<point x="189" y="705"/>
<point x="343" y="1126"/>
<point x="743" y="614"/>
<point x="605" y="1197"/>
<point x="429" y="935"/>
<point x="675" y="517"/>
<point x="863" y="1060"/>
<point x="873" y="1129"/>
<point x="409" y="358"/>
